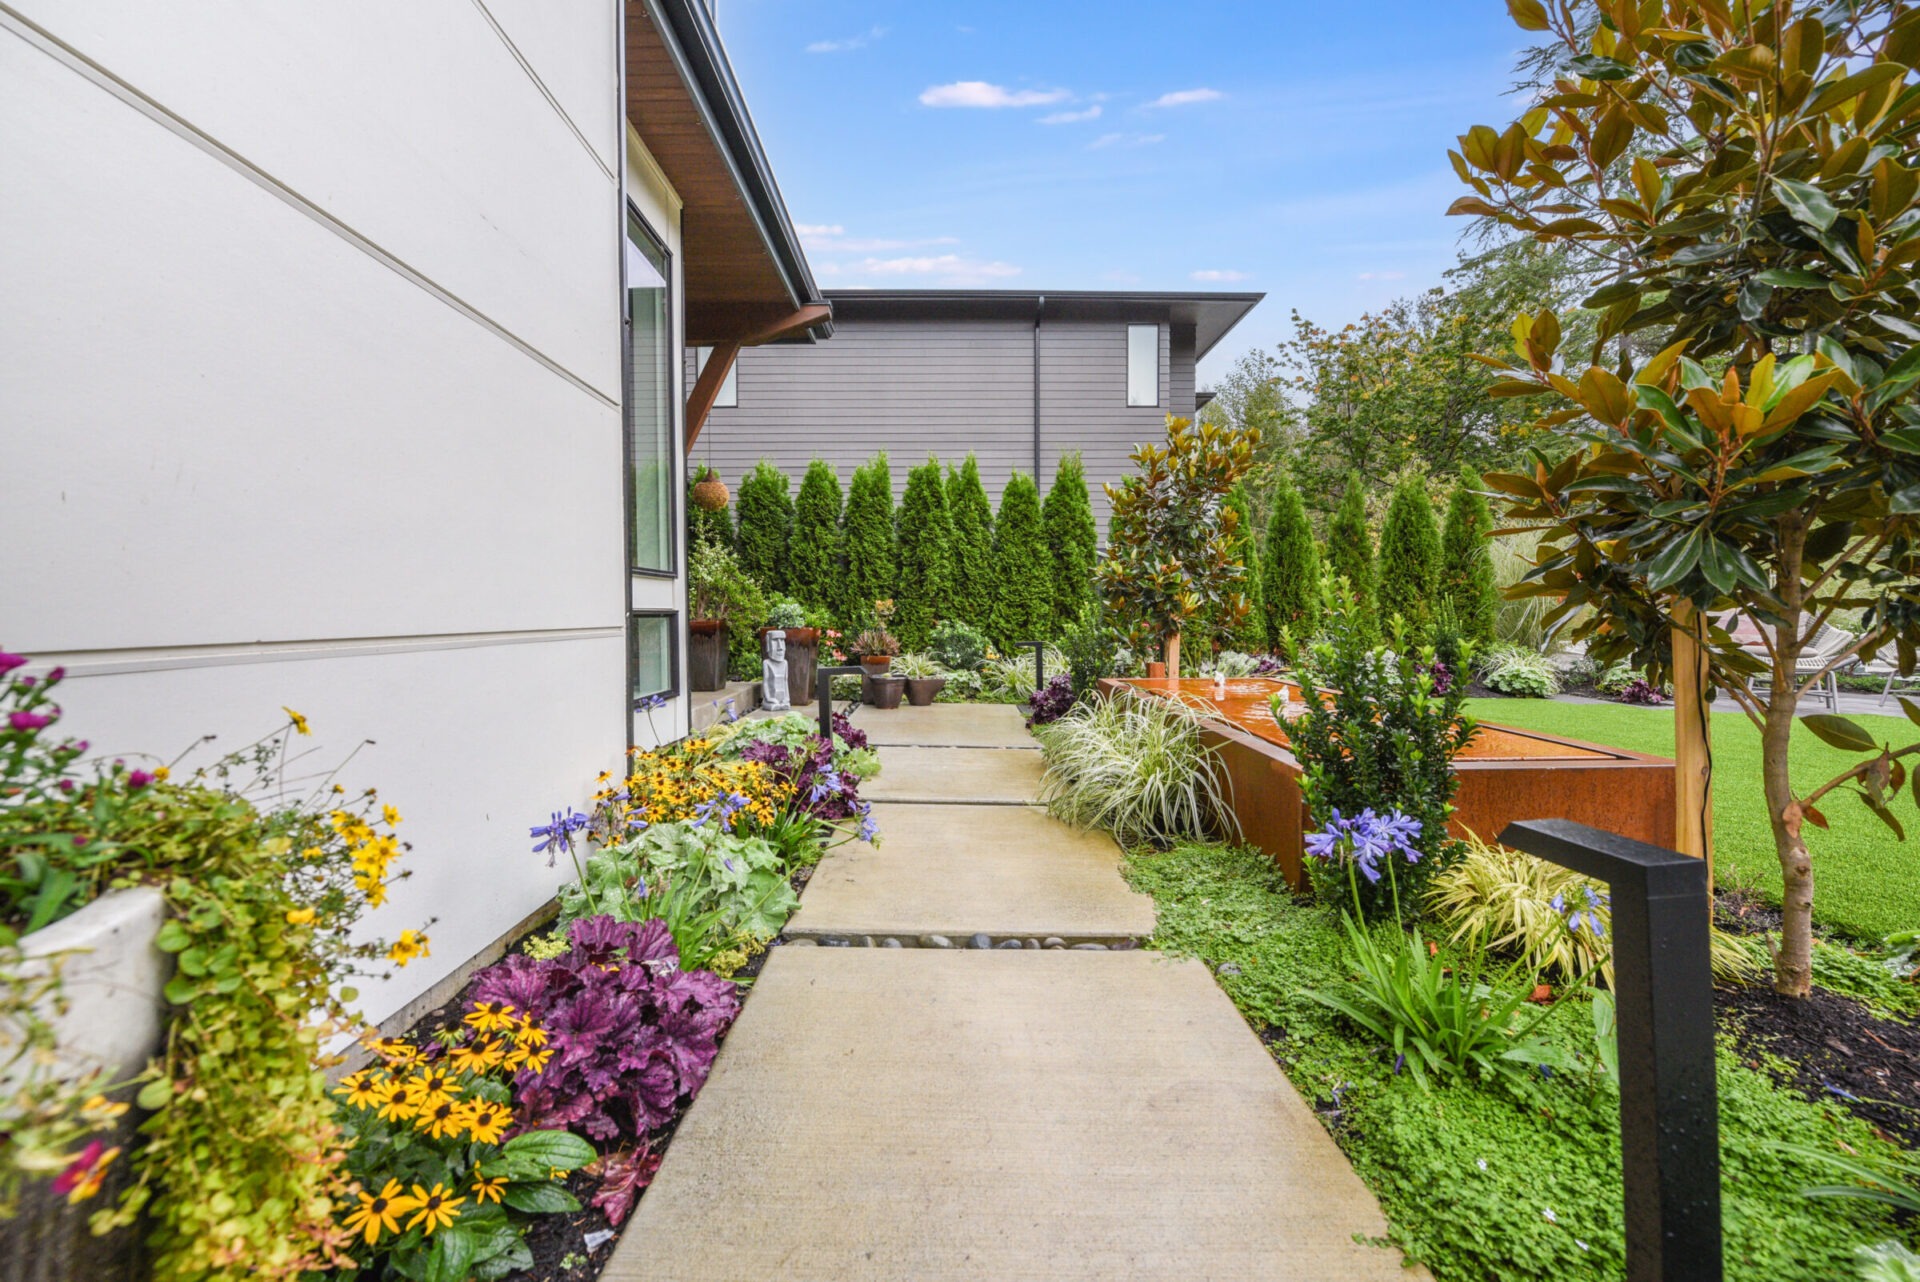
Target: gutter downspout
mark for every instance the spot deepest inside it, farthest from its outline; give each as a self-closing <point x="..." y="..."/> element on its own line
<point x="1040" y="307"/>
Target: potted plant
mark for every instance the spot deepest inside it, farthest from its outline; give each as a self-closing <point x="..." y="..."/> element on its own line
<point x="710" y="604"/>
<point x="923" y="677"/>
<point x="876" y="647"/>
<point x="803" y="648"/>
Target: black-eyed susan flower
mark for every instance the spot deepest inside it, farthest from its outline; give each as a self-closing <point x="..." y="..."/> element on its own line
<point x="478" y="1056"/>
<point x="488" y="1188"/>
<point x="530" y="1034"/>
<point x="486" y="1120"/>
<point x="398" y="1102"/>
<point x="487" y="1016"/>
<point x="397" y="1051"/>
<point x="435" y="1084"/>
<point x="441" y="1118"/>
<point x="379" y="1213"/>
<point x="362" y="1089"/>
<point x="435" y="1208"/>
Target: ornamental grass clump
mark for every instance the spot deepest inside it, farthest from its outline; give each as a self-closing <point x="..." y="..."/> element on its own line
<point x="1135" y="767"/>
<point x="1499" y="900"/>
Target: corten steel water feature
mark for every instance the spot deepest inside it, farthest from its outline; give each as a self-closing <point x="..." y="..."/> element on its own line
<point x="1506" y="774"/>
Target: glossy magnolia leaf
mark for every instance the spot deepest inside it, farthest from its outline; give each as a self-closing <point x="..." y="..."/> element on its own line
<point x="1717" y="563"/>
<point x="1807" y="203"/>
<point x="1909" y="707"/>
<point x="1838" y="731"/>
<point x="1530" y="15"/>
<point x="1904" y="439"/>
<point x="1472" y="205"/>
<point x="1813" y="815"/>
<point x="1675" y="561"/>
<point x="1594" y="67"/>
<point x="1844" y="90"/>
<point x="1791" y="278"/>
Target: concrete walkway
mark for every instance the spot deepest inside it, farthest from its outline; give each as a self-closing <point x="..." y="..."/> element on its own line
<point x="960" y="1112"/>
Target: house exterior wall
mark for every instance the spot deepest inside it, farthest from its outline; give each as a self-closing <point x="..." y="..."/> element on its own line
<point x="312" y="371"/>
<point x="922" y="386"/>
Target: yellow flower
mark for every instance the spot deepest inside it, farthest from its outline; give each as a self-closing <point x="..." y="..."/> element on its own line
<point x="300" y="916"/>
<point x="391" y="815"/>
<point x="300" y="726"/>
<point x="374" y="889"/>
<point x="435" y="1208"/>
<point x="478" y="1057"/>
<point x="100" y="1108"/>
<point x="362" y="1089"/>
<point x="536" y="1061"/>
<point x="488" y="1188"/>
<point x="161" y="774"/>
<point x="435" y="1085"/>
<point x="487" y="1016"/>
<point x="441" y="1117"/>
<point x="410" y="945"/>
<point x="380" y="1212"/>
<point x="488" y="1121"/>
<point x="87" y="1184"/>
<point x="530" y="1034"/>
<point x="399" y="1101"/>
<point x="394" y="1050"/>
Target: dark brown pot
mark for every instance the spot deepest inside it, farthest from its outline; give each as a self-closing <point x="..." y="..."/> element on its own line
<point x="885" y="692"/>
<point x="921" y="690"/>
<point x="707" y="654"/>
<point x="803" y="659"/>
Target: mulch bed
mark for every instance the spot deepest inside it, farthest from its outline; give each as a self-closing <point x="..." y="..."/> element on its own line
<point x="1833" y="1048"/>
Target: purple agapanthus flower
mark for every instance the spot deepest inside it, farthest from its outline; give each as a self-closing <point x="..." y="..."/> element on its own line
<point x="1365" y="839"/>
<point x="1584" y="917"/>
<point x="558" y="834"/>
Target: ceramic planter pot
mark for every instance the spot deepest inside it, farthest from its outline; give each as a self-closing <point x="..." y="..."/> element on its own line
<point x="707" y="654"/>
<point x="885" y="692"/>
<point x="921" y="690"/>
<point x="877" y="665"/>
<point x="803" y="659"/>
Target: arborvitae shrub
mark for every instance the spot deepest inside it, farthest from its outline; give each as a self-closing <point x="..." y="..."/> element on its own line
<point x="1073" y="540"/>
<point x="766" y="525"/>
<point x="926" y="557"/>
<point x="813" y="553"/>
<point x="869" y="542"/>
<point x="1290" y="570"/>
<point x="1249" y="635"/>
<point x="1022" y="573"/>
<point x="970" y="600"/>
<point x="1467" y="580"/>
<point x="1350" y="557"/>
<point x="1409" y="558"/>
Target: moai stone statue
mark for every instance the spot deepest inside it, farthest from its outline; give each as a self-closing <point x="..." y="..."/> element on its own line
<point x="773" y="674"/>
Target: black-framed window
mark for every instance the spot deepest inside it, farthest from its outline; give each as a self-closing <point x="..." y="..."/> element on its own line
<point x="652" y="450"/>
<point x="1143" y="365"/>
<point x="653" y="654"/>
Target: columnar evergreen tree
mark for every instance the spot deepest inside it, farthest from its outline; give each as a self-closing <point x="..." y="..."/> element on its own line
<point x="1467" y="580"/>
<point x="813" y="553"/>
<point x="1249" y="635"/>
<point x="1022" y="576"/>
<point x="869" y="541"/>
<point x="970" y="600"/>
<point x="1290" y="570"/>
<point x="1350" y="556"/>
<point x="766" y="525"/>
<point x="704" y="524"/>
<point x="1409" y="557"/>
<point x="1073" y="540"/>
<point x="926" y="557"/>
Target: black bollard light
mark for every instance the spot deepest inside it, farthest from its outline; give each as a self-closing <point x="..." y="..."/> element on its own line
<point x="823" y="689"/>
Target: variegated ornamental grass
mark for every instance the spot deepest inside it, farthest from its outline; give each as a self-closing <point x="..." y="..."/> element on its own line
<point x="1137" y="768"/>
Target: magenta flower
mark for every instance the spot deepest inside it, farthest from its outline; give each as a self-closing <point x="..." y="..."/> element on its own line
<point x="28" y="720"/>
<point x="139" y="779"/>
<point x="8" y="662"/>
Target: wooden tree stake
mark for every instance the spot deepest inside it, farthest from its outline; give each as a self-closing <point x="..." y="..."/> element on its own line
<point x="1692" y="750"/>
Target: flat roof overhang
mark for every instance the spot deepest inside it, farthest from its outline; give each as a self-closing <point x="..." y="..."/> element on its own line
<point x="746" y="277"/>
<point x="1212" y="315"/>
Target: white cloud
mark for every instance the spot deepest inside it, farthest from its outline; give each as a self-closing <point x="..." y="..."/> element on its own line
<point x="978" y="93"/>
<point x="1381" y="276"/>
<point x="832" y="238"/>
<point x="1072" y="117"/>
<point x="1186" y="97"/>
<point x="851" y="42"/>
<point x="811" y="230"/>
<point x="1218" y="274"/>
<point x="946" y="269"/>
<point x="1125" y="140"/>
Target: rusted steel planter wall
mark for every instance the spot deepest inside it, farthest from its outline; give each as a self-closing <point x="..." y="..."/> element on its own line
<point x="1628" y="793"/>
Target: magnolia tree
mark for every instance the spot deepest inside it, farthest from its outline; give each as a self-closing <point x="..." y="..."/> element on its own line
<point x="1746" y="174"/>
<point x="1172" y="538"/>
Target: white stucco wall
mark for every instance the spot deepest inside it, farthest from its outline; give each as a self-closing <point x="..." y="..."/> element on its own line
<point x="310" y="376"/>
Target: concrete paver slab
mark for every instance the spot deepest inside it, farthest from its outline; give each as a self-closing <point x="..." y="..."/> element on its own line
<point x="946" y="725"/>
<point x="925" y="1114"/>
<point x="974" y="775"/>
<point x="1005" y="871"/>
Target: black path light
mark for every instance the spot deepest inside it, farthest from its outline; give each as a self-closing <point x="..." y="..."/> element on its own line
<point x="1039" y="649"/>
<point x="1663" y="1004"/>
<point x="823" y="690"/>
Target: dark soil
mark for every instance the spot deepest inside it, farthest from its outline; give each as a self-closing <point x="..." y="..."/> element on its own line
<point x="1833" y="1048"/>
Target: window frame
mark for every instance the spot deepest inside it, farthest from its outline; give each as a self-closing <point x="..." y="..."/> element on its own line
<point x="1157" y="400"/>
<point x="675" y="410"/>
<point x="731" y="383"/>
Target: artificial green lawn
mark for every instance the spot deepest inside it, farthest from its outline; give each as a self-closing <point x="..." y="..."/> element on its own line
<point x="1866" y="882"/>
<point x="1474" y="1183"/>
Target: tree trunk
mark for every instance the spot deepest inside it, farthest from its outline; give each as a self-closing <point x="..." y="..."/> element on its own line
<point x="1173" y="656"/>
<point x="1793" y="962"/>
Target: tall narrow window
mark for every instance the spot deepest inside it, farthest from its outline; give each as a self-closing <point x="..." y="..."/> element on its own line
<point x="729" y="397"/>
<point x="650" y="656"/>
<point x="1143" y="365"/>
<point x="650" y="402"/>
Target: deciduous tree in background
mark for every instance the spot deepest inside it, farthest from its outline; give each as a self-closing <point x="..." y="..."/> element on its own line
<point x="1350" y="557"/>
<point x="1750" y="173"/>
<point x="926" y="557"/>
<point x="766" y="525"/>
<point x="1073" y="540"/>
<point x="1290" y="571"/>
<point x="1467" y="582"/>
<point x="1409" y="558"/>
<point x="813" y="553"/>
<point x="971" y="599"/>
<point x="867" y="574"/>
<point x="1022" y="569"/>
<point x="1170" y="540"/>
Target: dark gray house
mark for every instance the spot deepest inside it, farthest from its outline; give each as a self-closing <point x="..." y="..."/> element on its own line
<point x="1019" y="378"/>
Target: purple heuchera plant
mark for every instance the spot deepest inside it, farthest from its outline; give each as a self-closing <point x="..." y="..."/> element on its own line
<point x="1051" y="702"/>
<point x="633" y="1035"/>
<point x="820" y="789"/>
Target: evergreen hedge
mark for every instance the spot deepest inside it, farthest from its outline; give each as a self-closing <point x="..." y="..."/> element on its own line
<point x="766" y="525"/>
<point x="813" y="552"/>
<point x="1290" y="570"/>
<point x="925" y="541"/>
<point x="1467" y="580"/>
<point x="707" y="525"/>
<point x="1073" y="540"/>
<point x="1249" y="635"/>
<point x="1409" y="558"/>
<point x="868" y="539"/>
<point x="1022" y="577"/>
<point x="970" y="599"/>
<point x="1350" y="557"/>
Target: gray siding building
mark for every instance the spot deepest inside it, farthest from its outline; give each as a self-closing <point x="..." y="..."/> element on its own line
<point x="1017" y="378"/>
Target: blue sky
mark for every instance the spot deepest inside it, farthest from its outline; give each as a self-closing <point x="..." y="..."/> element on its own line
<point x="1294" y="149"/>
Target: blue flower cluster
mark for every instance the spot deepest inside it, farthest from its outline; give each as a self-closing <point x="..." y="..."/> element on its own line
<point x="1365" y="839"/>
<point x="722" y="809"/>
<point x="1588" y="916"/>
<point x="557" y="835"/>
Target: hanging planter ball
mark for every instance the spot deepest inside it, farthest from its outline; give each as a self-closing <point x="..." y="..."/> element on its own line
<point x="711" y="495"/>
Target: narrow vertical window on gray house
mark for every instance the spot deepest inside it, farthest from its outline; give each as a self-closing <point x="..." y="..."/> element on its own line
<point x="729" y="397"/>
<point x="650" y="656"/>
<point x="650" y="443"/>
<point x="1143" y="365"/>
